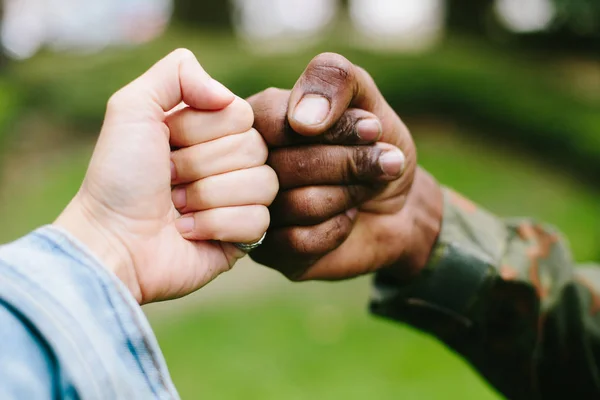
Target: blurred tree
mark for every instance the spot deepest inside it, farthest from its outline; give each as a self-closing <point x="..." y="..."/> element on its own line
<point x="576" y="27"/>
<point x="3" y="58"/>
<point x="580" y="16"/>
<point x="468" y="16"/>
<point x="204" y="13"/>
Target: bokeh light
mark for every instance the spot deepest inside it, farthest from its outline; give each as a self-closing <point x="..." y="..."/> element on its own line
<point x="284" y="22"/>
<point x="74" y="25"/>
<point x="525" y="15"/>
<point x="407" y="25"/>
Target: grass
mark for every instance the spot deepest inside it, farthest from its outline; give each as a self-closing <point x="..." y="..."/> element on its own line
<point x="320" y="345"/>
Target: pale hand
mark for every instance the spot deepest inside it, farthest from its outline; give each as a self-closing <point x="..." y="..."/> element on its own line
<point x="128" y="211"/>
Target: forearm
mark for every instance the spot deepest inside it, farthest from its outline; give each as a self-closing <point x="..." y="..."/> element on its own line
<point x="506" y="296"/>
<point x="83" y="316"/>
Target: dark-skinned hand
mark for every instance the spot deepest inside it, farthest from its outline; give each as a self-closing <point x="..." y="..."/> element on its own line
<point x="352" y="199"/>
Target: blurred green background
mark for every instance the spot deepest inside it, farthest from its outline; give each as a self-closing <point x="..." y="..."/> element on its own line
<point x="511" y="120"/>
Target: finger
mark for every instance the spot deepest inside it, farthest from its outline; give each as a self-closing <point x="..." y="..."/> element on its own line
<point x="229" y="153"/>
<point x="355" y="126"/>
<point x="244" y="224"/>
<point x="177" y="77"/>
<point x="336" y="165"/>
<point x="254" y="186"/>
<point x="401" y="243"/>
<point x="189" y="126"/>
<point x="327" y="87"/>
<point x="355" y="262"/>
<point x="312" y="205"/>
<point x="293" y="249"/>
<point x="270" y="116"/>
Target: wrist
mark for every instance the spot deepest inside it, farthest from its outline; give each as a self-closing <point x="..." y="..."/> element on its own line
<point x="424" y="214"/>
<point x="83" y="224"/>
<point x="428" y="219"/>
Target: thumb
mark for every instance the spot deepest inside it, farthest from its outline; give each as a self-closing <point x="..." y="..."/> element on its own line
<point x="177" y="78"/>
<point x="329" y="85"/>
<point x="325" y="91"/>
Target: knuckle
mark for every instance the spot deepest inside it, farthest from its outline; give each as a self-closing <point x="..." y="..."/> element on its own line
<point x="182" y="53"/>
<point x="303" y="242"/>
<point x="362" y="162"/>
<point x="272" y="91"/>
<point x="211" y="227"/>
<point x="118" y="101"/>
<point x="306" y="203"/>
<point x="360" y="70"/>
<point x="353" y="195"/>
<point x="343" y="130"/>
<point x="266" y="97"/>
<point x="261" y="220"/>
<point x="196" y="193"/>
<point x="206" y="224"/>
<point x="331" y="67"/>
<point x="334" y="234"/>
<point x="255" y="147"/>
<point x="243" y="115"/>
<point x="186" y="162"/>
<point x="271" y="183"/>
<point x="177" y="124"/>
<point x="271" y="174"/>
<point x="182" y="159"/>
<point x="320" y="240"/>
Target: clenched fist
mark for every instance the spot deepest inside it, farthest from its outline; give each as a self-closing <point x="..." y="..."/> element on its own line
<point x="177" y="175"/>
<point x="352" y="199"/>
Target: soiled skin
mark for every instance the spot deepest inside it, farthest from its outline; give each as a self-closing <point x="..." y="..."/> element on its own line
<point x="338" y="215"/>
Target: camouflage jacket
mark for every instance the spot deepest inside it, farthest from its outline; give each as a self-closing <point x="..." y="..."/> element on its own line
<point x="506" y="291"/>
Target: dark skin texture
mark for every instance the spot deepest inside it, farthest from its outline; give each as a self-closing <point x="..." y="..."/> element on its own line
<point x="338" y="215"/>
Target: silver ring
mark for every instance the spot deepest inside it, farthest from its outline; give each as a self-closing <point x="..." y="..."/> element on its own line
<point x="248" y="247"/>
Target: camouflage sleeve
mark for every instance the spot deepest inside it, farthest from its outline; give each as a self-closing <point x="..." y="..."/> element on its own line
<point x="507" y="296"/>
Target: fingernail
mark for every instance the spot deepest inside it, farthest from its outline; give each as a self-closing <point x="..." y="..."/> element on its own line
<point x="352" y="214"/>
<point x="369" y="130"/>
<point x="392" y="163"/>
<point x="173" y="171"/>
<point x="179" y="197"/>
<point x="312" y="110"/>
<point x="218" y="88"/>
<point x="185" y="224"/>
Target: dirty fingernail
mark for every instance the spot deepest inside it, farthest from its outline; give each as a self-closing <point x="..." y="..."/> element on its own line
<point x="392" y="163"/>
<point x="369" y="130"/>
<point x="312" y="110"/>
